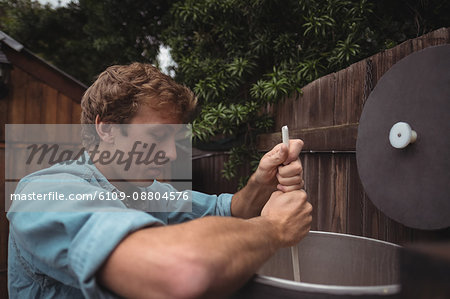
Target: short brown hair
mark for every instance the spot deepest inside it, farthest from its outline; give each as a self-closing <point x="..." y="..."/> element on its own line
<point x="120" y="90"/>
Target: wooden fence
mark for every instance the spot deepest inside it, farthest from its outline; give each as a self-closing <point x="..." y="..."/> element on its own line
<point x="326" y="117"/>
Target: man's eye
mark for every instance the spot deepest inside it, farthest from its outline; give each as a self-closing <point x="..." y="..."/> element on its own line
<point x="159" y="137"/>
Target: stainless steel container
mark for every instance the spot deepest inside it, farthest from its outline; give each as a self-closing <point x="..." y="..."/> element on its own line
<point x="331" y="266"/>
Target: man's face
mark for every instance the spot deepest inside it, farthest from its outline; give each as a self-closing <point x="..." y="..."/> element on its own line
<point x="149" y="142"/>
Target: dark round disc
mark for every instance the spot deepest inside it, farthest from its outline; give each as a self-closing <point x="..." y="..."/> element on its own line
<point x="410" y="185"/>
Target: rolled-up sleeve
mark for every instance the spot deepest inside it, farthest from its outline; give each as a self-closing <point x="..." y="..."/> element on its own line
<point x="96" y="240"/>
<point x="204" y="205"/>
<point x="223" y="206"/>
<point x="75" y="244"/>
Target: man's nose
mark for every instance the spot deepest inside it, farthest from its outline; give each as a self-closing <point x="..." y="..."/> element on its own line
<point x="171" y="150"/>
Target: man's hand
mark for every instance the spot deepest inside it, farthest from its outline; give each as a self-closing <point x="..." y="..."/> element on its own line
<point x="283" y="164"/>
<point x="290" y="214"/>
<point x="290" y="176"/>
<point x="278" y="169"/>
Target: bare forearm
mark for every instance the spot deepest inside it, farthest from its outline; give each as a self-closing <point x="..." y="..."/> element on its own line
<point x="239" y="248"/>
<point x="212" y="255"/>
<point x="250" y="200"/>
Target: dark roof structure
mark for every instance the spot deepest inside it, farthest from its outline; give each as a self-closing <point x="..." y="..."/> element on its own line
<point x="23" y="58"/>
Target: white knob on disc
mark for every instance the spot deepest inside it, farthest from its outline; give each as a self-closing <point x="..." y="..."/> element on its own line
<point x="401" y="135"/>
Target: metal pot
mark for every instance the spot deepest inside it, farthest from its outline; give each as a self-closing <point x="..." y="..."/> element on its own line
<point x="331" y="266"/>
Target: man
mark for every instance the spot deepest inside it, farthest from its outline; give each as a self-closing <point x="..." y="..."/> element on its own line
<point x="114" y="250"/>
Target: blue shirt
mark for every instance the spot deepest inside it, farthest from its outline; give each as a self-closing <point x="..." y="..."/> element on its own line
<point x="57" y="254"/>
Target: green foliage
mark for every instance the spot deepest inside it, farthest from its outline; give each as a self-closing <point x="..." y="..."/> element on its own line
<point x="256" y="52"/>
<point x="88" y="35"/>
<point x="237" y="56"/>
<point x="238" y="156"/>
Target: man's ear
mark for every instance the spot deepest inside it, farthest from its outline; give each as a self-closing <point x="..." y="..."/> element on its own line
<point x="104" y="130"/>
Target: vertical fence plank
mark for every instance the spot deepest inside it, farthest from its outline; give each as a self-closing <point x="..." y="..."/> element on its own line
<point x="311" y="105"/>
<point x="327" y="100"/>
<point x="355" y="197"/>
<point x="355" y="102"/>
<point x="339" y="194"/>
<point x="4" y="114"/>
<point x="49" y="105"/>
<point x="64" y="109"/>
<point x="311" y="177"/>
<point x="341" y="97"/>
<point x="33" y="102"/>
<point x="325" y="193"/>
<point x="17" y="104"/>
<point x="321" y="102"/>
<point x="76" y="112"/>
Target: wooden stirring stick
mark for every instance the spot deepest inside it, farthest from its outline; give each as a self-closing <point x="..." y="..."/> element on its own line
<point x="294" y="249"/>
